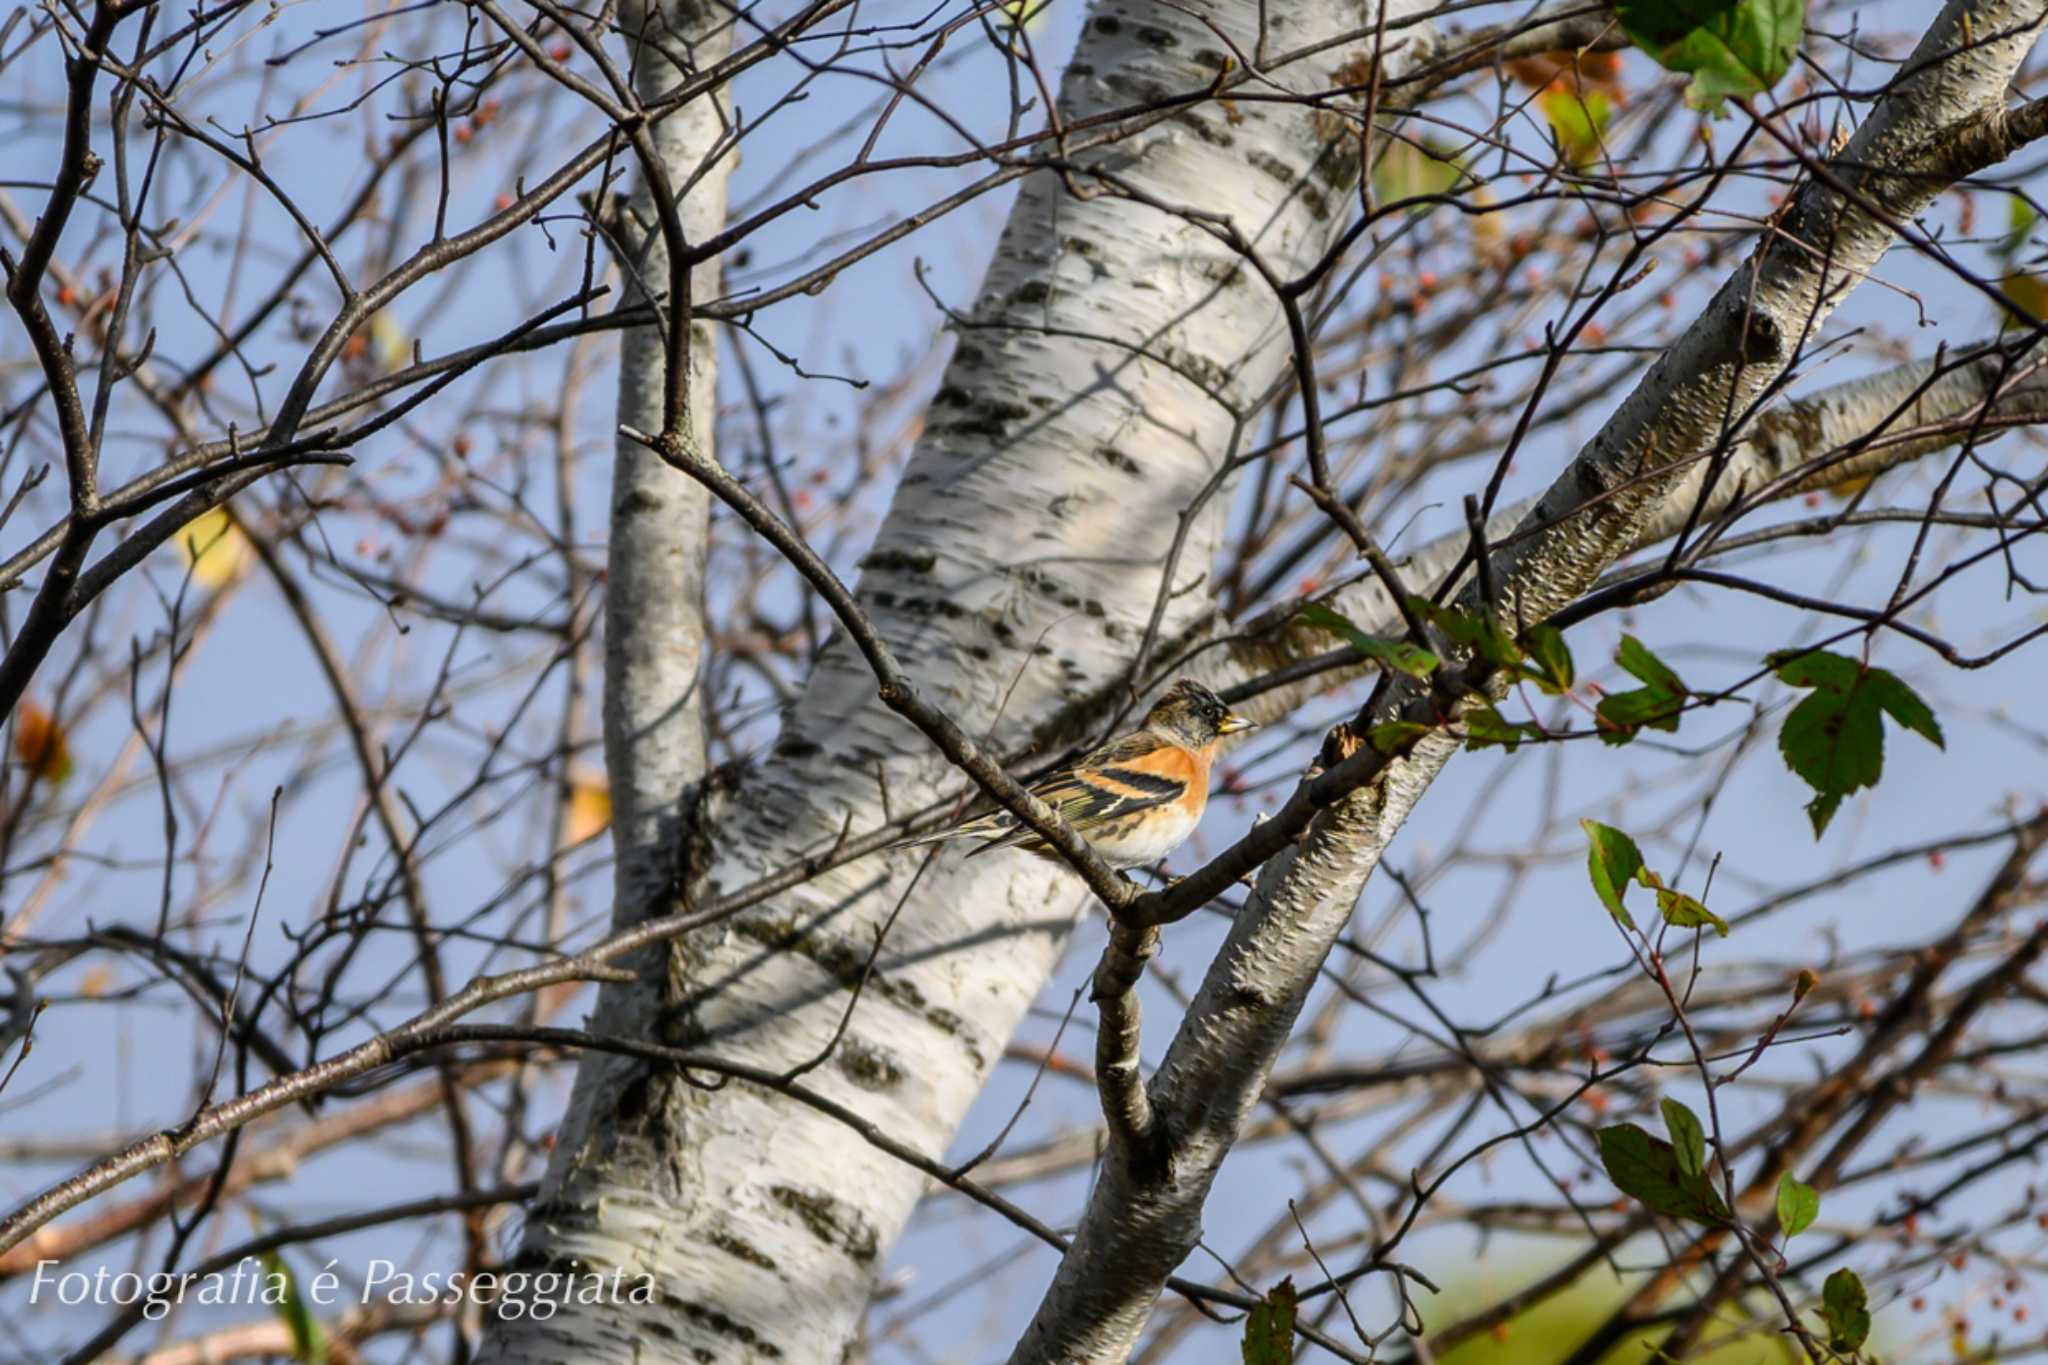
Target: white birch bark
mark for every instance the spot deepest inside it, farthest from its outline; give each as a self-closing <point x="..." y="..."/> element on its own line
<point x="1946" y="118"/>
<point x="655" y="753"/>
<point x="1083" y="410"/>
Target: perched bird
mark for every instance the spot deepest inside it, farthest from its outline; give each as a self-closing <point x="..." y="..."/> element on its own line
<point x="1135" y="799"/>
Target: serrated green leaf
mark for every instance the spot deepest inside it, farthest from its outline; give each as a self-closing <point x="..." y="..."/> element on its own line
<point x="1646" y="1169"/>
<point x="1639" y="661"/>
<point x="1845" y="1308"/>
<point x="1623" y="714"/>
<point x="1395" y="734"/>
<point x="1400" y="655"/>
<point x="1688" y="1138"/>
<point x="1552" y="659"/>
<point x="1798" y="1205"/>
<point x="1269" y="1328"/>
<point x="1656" y="704"/>
<point x="1681" y="911"/>
<point x="1730" y="47"/>
<point x="309" y="1342"/>
<point x="1612" y="860"/>
<point x="1834" y="739"/>
<point x="1475" y="631"/>
<point x="1485" y="727"/>
<point x="1904" y="705"/>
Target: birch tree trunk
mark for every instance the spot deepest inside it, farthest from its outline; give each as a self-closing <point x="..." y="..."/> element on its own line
<point x="611" y="1147"/>
<point x="1088" y="402"/>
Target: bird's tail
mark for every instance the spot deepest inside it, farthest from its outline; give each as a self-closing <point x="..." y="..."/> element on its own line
<point x="987" y="827"/>
<point x="937" y="836"/>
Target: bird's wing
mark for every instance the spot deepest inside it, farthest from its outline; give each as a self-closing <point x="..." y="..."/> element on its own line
<point x="1128" y="775"/>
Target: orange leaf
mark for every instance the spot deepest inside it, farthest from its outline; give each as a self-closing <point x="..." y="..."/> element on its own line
<point x="590" y="808"/>
<point x="40" y="744"/>
<point x="1575" y="71"/>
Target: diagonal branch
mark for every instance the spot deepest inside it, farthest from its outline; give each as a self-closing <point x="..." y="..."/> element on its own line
<point x="1140" y="1222"/>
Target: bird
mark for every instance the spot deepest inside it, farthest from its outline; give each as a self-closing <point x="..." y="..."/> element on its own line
<point x="1134" y="799"/>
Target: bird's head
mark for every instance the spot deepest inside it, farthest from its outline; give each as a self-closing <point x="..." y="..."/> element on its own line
<point x="1195" y="715"/>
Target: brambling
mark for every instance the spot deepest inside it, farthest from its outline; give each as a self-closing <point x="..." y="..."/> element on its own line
<point x="1136" y="798"/>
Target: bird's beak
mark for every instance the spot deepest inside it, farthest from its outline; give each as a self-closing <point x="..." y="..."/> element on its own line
<point x="1234" y="724"/>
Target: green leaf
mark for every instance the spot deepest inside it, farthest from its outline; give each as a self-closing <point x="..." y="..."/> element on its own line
<point x="2019" y="224"/>
<point x="1730" y="47"/>
<point x="1798" y="1205"/>
<point x="1845" y="1308"/>
<point x="1552" y="659"/>
<point x="1639" y="661"/>
<point x="1625" y="713"/>
<point x="1688" y="1138"/>
<point x="1389" y="736"/>
<point x="1485" y="726"/>
<point x="1655" y="704"/>
<point x="1475" y="631"/>
<point x="309" y="1343"/>
<point x="1612" y="860"/>
<point x="1579" y="118"/>
<point x="1399" y="655"/>
<point x="1834" y="740"/>
<point x="1646" y="1169"/>
<point x="1681" y="911"/>
<point x="1269" y="1328"/>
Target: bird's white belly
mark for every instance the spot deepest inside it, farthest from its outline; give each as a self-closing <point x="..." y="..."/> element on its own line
<point x="1155" y="834"/>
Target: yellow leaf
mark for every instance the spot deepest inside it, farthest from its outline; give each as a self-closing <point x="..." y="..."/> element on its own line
<point x="1850" y="487"/>
<point x="2028" y="291"/>
<point x="389" y="345"/>
<point x="40" y="744"/>
<point x="590" y="808"/>
<point x="214" y="548"/>
<point x="1408" y="171"/>
<point x="1025" y="14"/>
